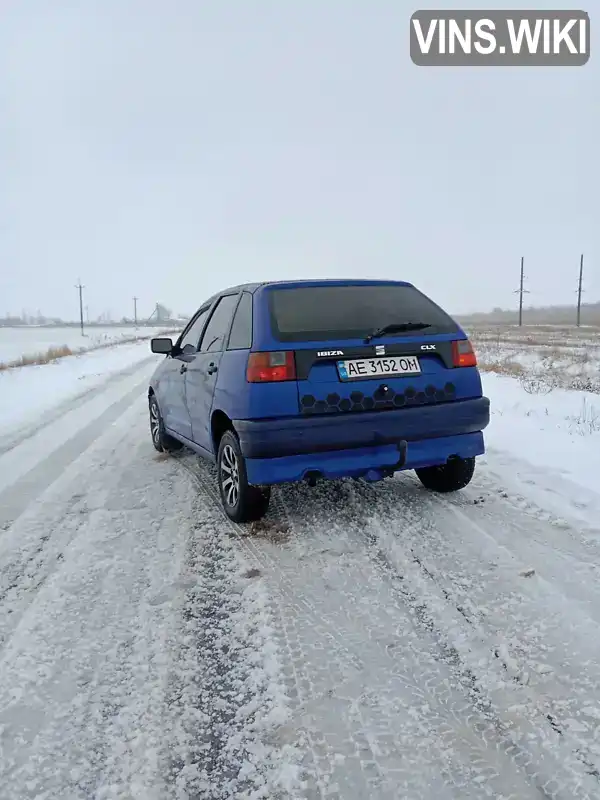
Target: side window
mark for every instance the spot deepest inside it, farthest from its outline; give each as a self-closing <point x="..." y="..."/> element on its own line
<point x="240" y="337"/>
<point x="189" y="343"/>
<point x="218" y="326"/>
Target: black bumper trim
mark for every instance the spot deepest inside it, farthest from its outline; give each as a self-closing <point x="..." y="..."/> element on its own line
<point x="289" y="436"/>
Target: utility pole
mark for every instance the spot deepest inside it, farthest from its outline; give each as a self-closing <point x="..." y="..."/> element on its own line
<point x="135" y="299"/>
<point x="521" y="294"/>
<point x="521" y="291"/>
<point x="81" y="288"/>
<point x="579" y="290"/>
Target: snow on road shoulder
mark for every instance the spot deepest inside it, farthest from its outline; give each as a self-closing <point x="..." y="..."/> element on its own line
<point x="549" y="444"/>
<point x="19" y="341"/>
<point x="27" y="393"/>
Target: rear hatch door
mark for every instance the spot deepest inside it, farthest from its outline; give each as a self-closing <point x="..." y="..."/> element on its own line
<point x="342" y="367"/>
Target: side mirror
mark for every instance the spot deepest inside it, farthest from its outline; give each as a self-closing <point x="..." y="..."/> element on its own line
<point x="161" y="346"/>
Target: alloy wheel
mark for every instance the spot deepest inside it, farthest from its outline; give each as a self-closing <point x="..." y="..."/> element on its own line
<point x="154" y="423"/>
<point x="230" y="476"/>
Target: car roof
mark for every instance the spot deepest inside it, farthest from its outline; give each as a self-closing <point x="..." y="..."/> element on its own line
<point x="300" y="282"/>
<point x="335" y="282"/>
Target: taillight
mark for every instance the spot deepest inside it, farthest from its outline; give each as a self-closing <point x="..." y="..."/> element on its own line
<point x="270" y="367"/>
<point x="463" y="354"/>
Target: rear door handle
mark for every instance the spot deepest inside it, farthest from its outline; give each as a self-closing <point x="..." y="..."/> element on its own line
<point x="212" y="367"/>
<point x="183" y="368"/>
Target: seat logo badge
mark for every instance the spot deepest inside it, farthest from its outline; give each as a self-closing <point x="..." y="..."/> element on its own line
<point x="427" y="347"/>
<point x="323" y="353"/>
<point x="379" y="349"/>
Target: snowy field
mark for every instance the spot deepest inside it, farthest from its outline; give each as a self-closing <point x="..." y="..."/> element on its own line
<point x="552" y="355"/>
<point x="19" y="341"/>
<point x="364" y="641"/>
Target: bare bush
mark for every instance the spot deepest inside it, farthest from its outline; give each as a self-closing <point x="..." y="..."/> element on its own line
<point x="536" y="384"/>
<point x="588" y="420"/>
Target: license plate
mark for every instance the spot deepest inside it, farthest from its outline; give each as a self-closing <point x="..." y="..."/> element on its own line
<point x="378" y="367"/>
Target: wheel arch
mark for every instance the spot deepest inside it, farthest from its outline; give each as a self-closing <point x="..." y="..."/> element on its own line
<point x="219" y="423"/>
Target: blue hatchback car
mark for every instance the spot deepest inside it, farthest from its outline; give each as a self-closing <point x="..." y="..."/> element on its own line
<point x="316" y="379"/>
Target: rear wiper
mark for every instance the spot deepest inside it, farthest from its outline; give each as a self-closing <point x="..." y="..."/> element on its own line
<point x="398" y="327"/>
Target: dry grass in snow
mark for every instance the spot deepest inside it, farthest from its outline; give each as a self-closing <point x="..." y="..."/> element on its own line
<point x="55" y="353"/>
<point x="51" y="354"/>
<point x="543" y="358"/>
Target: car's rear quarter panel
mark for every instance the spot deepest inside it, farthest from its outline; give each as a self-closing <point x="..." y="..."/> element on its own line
<point x="242" y="400"/>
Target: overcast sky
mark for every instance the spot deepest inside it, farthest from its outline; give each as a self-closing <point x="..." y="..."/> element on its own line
<point x="167" y="149"/>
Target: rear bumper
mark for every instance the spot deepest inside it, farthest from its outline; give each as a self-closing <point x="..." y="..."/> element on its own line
<point x="371" y="463"/>
<point x="295" y="436"/>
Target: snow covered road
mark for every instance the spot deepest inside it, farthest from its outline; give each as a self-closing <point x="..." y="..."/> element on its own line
<point x="363" y="642"/>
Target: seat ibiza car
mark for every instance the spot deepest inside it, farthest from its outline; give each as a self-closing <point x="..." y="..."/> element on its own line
<point x="309" y="380"/>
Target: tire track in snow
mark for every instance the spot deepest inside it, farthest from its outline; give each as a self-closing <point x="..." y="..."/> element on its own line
<point x="563" y="697"/>
<point x="573" y="760"/>
<point x="81" y="675"/>
<point x="448" y="712"/>
<point x="32" y="548"/>
<point x="323" y="758"/>
<point x="93" y="587"/>
<point x="315" y="773"/>
<point x="223" y="696"/>
<point x="35" y="474"/>
<point x="542" y="633"/>
<point x="479" y="712"/>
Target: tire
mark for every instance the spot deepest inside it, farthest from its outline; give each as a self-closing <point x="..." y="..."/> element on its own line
<point x="241" y="502"/>
<point x="160" y="439"/>
<point x="449" y="477"/>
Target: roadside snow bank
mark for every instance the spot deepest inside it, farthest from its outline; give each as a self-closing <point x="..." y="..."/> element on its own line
<point x="26" y="394"/>
<point x="18" y="342"/>
<point x="559" y="430"/>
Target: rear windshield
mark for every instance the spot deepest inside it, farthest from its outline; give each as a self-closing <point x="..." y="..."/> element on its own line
<point x="321" y="313"/>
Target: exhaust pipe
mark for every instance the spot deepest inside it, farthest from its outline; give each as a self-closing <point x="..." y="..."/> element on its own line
<point x="374" y="475"/>
<point x="312" y="477"/>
